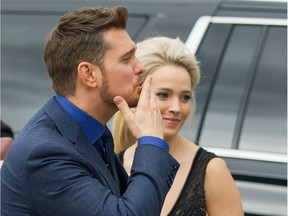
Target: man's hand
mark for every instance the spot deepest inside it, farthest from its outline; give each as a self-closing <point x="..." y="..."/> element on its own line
<point x="146" y="120"/>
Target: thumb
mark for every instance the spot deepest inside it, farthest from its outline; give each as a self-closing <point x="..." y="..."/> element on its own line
<point x="123" y="107"/>
<point x="128" y="116"/>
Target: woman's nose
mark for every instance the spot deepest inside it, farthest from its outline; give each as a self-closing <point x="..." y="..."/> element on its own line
<point x="175" y="106"/>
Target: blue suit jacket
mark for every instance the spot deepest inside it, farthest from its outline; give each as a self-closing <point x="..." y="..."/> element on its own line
<point x="52" y="169"/>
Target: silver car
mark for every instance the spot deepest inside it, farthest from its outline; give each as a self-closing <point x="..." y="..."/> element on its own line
<point x="241" y="110"/>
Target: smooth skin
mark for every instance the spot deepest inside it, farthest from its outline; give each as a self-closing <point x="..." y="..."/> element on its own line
<point x="172" y="87"/>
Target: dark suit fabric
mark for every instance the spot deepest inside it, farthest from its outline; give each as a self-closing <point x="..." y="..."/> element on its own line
<point x="52" y="169"/>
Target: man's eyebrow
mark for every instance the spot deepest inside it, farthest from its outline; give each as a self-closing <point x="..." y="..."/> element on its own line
<point x="129" y="52"/>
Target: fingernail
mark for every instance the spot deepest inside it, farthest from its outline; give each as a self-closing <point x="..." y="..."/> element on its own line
<point x="117" y="100"/>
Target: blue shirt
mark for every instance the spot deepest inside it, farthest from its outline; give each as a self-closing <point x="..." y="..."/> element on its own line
<point x="94" y="130"/>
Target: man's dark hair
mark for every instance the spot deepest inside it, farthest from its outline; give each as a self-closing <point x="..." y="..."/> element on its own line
<point x="78" y="37"/>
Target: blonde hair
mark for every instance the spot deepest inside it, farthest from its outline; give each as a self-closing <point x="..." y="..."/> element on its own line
<point x="122" y="136"/>
<point x="153" y="53"/>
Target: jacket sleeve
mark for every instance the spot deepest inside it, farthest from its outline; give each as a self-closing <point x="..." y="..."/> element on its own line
<point x="65" y="185"/>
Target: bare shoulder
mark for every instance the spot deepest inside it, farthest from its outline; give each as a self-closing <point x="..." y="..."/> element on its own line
<point x="217" y="166"/>
<point x="222" y="195"/>
<point x="129" y="153"/>
<point x="218" y="176"/>
<point x="128" y="158"/>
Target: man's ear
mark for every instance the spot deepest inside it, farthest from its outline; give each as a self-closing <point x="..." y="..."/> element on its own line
<point x="89" y="74"/>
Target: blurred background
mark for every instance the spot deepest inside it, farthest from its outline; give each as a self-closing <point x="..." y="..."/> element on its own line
<point x="241" y="110"/>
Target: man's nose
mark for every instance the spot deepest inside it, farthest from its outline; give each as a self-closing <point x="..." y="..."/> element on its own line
<point x="139" y="67"/>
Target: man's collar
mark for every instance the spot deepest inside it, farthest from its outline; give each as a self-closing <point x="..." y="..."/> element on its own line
<point x="92" y="128"/>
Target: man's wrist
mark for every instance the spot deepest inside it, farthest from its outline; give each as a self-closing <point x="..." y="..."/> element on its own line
<point x="152" y="140"/>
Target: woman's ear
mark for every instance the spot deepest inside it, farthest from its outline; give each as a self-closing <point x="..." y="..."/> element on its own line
<point x="88" y="74"/>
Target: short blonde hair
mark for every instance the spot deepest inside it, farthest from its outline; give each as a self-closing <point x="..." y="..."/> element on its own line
<point x="158" y="51"/>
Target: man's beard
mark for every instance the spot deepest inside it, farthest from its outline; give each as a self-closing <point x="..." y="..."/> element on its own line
<point x="108" y="97"/>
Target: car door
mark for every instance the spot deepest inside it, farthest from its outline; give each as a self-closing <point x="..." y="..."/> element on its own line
<point x="241" y="110"/>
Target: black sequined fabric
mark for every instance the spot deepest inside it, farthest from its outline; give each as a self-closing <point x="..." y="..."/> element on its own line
<point x="191" y="201"/>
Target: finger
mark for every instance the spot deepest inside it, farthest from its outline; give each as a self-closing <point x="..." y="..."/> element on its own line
<point x="153" y="101"/>
<point x="146" y="91"/>
<point x="128" y="115"/>
<point x="123" y="107"/>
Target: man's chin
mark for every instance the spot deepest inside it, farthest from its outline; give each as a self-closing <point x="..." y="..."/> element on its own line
<point x="132" y="102"/>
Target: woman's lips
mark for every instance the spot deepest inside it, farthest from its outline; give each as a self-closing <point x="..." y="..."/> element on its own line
<point x="172" y="121"/>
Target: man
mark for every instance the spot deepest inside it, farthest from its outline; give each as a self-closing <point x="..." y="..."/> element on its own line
<point x="62" y="162"/>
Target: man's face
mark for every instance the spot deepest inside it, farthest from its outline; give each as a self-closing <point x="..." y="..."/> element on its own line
<point x="121" y="69"/>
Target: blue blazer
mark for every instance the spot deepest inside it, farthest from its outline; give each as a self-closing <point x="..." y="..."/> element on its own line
<point x="52" y="169"/>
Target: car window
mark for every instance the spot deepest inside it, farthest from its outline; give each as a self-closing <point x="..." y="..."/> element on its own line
<point x="265" y="123"/>
<point x="211" y="52"/>
<point x="233" y="74"/>
<point x="235" y="106"/>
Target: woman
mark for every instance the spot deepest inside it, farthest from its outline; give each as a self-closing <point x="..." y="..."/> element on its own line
<point x="203" y="184"/>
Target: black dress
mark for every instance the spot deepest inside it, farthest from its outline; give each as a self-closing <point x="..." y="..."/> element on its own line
<point x="191" y="201"/>
<point x="192" y="198"/>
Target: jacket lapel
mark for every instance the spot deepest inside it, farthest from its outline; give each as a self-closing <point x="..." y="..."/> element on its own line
<point x="71" y="131"/>
<point x="110" y="152"/>
<point x="94" y="158"/>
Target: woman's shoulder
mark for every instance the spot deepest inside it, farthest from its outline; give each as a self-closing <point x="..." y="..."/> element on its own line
<point x="129" y="152"/>
<point x="216" y="164"/>
<point x="127" y="156"/>
<point x="216" y="169"/>
<point x="220" y="189"/>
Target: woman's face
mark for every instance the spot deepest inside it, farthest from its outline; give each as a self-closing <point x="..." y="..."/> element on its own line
<point x="172" y="86"/>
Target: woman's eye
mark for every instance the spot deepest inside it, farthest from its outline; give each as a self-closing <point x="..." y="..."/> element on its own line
<point x="186" y="98"/>
<point x="162" y="95"/>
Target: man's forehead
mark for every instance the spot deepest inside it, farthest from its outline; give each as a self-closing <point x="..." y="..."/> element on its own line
<point x="119" y="41"/>
<point x="117" y="36"/>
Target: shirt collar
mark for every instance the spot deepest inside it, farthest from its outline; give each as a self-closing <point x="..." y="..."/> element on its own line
<point x="92" y="128"/>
